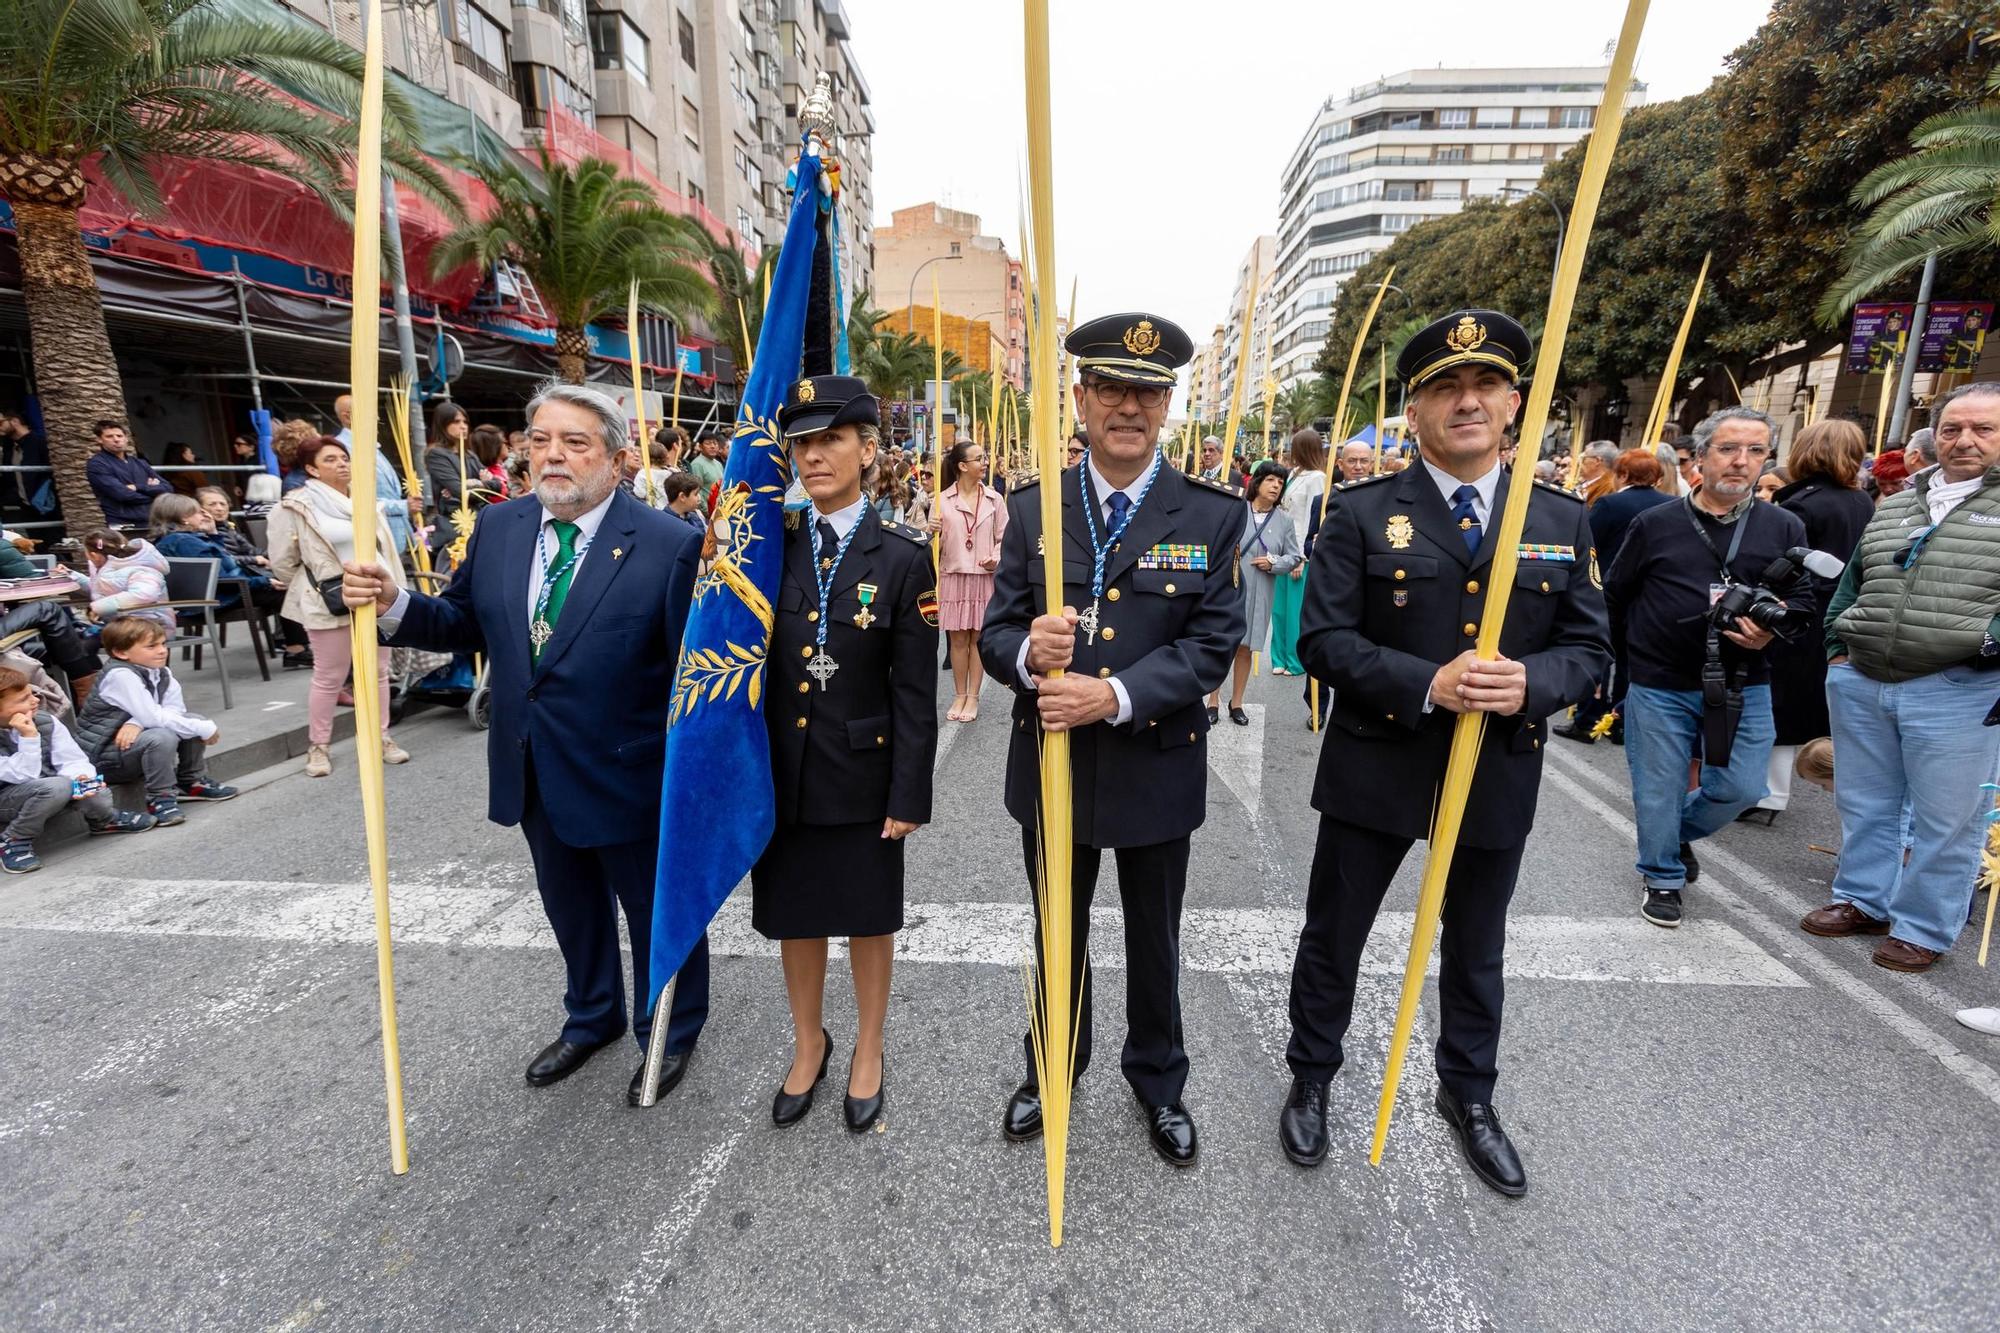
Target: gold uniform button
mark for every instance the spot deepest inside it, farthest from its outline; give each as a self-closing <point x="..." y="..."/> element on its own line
<point x="1537" y="743"/>
<point x="1471" y="629"/>
<point x="881" y="741"/>
<point x="1472" y="585"/>
<point x="1170" y="590"/>
<point x="1103" y="672"/>
<point x="1400" y="575"/>
<point x="1111" y="596"/>
<point x="801" y="724"/>
<point x="1192" y="738"/>
<point x="805" y="687"/>
<point x="805" y="652"/>
<point x="1390" y="717"/>
<point x="1109" y="634"/>
<point x="1545" y="585"/>
<point x="811" y="616"/>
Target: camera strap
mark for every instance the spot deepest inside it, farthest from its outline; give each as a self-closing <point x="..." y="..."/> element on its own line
<point x="1735" y="541"/>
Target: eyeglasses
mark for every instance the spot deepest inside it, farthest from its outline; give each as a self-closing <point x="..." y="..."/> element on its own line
<point x="1739" y="450"/>
<point x="1110" y="393"/>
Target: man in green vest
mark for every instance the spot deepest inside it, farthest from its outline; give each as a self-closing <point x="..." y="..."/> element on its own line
<point x="1914" y="646"/>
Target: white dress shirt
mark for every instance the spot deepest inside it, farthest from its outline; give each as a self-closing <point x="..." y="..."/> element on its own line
<point x="1482" y="504"/>
<point x="843" y="520"/>
<point x="1104" y="489"/>
<point x="67" y="757"/>
<point x="169" y="711"/>
<point x="545" y="550"/>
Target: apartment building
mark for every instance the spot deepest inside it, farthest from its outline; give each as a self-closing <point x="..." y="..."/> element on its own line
<point x="1396" y="152"/>
<point x="702" y="96"/>
<point x="1255" y="268"/>
<point x="976" y="278"/>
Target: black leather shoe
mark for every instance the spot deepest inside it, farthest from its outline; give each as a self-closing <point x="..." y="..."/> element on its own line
<point x="672" y="1067"/>
<point x="1213" y="717"/>
<point x="1023" y="1121"/>
<point x="1171" y="1129"/>
<point x="788" y="1108"/>
<point x="560" y="1059"/>
<point x="1689" y="863"/>
<point x="1239" y="717"/>
<point x="1486" y="1145"/>
<point x="1302" y="1124"/>
<point x="1575" y="731"/>
<point x="862" y="1112"/>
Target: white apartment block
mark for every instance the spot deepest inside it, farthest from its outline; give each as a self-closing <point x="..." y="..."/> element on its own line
<point x="1402" y="150"/>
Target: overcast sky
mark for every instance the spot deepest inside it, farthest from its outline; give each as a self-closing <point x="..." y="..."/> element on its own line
<point x="1173" y="119"/>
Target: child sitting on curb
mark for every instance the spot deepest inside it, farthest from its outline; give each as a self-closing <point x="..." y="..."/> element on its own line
<point x="42" y="770"/>
<point x="135" y="724"/>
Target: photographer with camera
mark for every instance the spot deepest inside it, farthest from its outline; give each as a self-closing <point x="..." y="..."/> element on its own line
<point x="1697" y="593"/>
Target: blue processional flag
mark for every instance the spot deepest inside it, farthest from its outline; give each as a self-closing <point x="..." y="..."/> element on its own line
<point x="715" y="727"/>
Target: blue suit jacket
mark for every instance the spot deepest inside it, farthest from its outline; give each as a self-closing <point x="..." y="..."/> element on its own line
<point x="592" y="712"/>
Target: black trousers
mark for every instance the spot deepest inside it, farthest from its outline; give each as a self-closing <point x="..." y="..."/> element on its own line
<point x="583" y="889"/>
<point x="1152" y="883"/>
<point x="1351" y="870"/>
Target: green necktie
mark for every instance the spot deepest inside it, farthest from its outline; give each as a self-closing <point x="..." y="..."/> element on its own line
<point x="558" y="576"/>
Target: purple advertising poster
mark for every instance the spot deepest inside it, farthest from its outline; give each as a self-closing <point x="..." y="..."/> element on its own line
<point x="1880" y="327"/>
<point x="1954" y="335"/>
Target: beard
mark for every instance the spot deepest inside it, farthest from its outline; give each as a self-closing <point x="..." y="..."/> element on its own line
<point x="579" y="494"/>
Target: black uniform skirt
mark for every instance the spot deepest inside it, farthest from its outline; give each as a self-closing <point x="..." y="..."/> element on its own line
<point x="816" y="881"/>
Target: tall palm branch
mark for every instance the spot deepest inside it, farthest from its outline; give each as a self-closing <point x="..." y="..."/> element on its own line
<point x="584" y="234"/>
<point x="128" y="85"/>
<point x="1939" y="199"/>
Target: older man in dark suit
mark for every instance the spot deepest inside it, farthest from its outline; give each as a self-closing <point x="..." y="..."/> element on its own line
<point x="577" y="596"/>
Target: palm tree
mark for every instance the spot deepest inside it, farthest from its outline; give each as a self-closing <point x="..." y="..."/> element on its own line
<point x="1302" y="404"/>
<point x="898" y="365"/>
<point x="583" y="234"/>
<point x="1938" y="200"/>
<point x="738" y="285"/>
<point x="127" y="84"/>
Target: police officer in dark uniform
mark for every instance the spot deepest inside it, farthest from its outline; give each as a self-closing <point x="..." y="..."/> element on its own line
<point x="1152" y="613"/>
<point x="1392" y="607"/>
<point x="852" y="712"/>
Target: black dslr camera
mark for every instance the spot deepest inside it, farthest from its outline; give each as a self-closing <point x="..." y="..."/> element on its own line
<point x="1757" y="601"/>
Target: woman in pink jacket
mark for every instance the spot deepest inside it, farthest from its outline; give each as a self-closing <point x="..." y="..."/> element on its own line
<point x="973" y="518"/>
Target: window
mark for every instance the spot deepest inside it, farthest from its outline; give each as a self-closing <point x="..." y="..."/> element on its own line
<point x="742" y="163"/>
<point x="1399" y="191"/>
<point x="482" y="39"/>
<point x="1399" y="222"/>
<point x="691" y="124"/>
<point x="1576" y="117"/>
<point x="1534" y="118"/>
<point x="686" y="30"/>
<point x="743" y="222"/>
<point x="1447" y="189"/>
<point x="749" y="33"/>
<point x="1451" y="154"/>
<point x="1496" y="118"/>
<point x="616" y="44"/>
<point x="1455" y="118"/>
<point x="1406" y="120"/>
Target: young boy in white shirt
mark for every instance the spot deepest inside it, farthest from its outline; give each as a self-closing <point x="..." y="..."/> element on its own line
<point x="135" y="725"/>
<point x="42" y="770"/>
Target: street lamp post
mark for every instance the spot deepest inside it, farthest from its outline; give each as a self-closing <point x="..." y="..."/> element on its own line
<point x="1562" y="228"/>
<point x="968" y="334"/>
<point x="910" y="305"/>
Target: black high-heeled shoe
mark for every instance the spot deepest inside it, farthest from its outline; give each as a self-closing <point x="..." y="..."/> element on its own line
<point x="862" y="1112"/>
<point x="788" y="1108"/>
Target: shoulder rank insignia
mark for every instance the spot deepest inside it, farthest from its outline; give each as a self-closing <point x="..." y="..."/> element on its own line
<point x="1399" y="531"/>
<point x="906" y="531"/>
<point x="1554" y="489"/>
<point x="1214" y="484"/>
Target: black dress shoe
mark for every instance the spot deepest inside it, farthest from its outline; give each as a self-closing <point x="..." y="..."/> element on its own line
<point x="560" y="1059"/>
<point x="1688" y="862"/>
<point x="862" y="1112"/>
<point x="1575" y="731"/>
<point x="788" y="1108"/>
<point x="1486" y="1145"/>
<point x="1239" y="717"/>
<point x="1171" y="1129"/>
<point x="672" y="1067"/>
<point x="1023" y="1121"/>
<point x="1758" y="814"/>
<point x="1302" y="1124"/>
<point x="1213" y="717"/>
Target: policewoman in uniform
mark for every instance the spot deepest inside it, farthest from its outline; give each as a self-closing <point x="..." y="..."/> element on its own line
<point x="852" y="714"/>
<point x="1392" y="607"/>
<point x="1152" y="613"/>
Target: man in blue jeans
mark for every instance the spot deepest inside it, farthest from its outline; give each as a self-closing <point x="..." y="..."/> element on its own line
<point x="1913" y="638"/>
<point x="1675" y="563"/>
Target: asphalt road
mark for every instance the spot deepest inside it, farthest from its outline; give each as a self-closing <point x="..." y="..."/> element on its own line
<point x="1733" y="1125"/>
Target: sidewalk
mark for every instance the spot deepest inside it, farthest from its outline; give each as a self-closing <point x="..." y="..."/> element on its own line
<point x="266" y="726"/>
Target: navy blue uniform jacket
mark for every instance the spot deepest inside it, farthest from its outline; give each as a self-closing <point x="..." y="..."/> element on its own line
<point x="593" y="710"/>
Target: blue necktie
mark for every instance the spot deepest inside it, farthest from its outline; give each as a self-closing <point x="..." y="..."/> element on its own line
<point x="1119" y="502"/>
<point x="1467" y="516"/>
